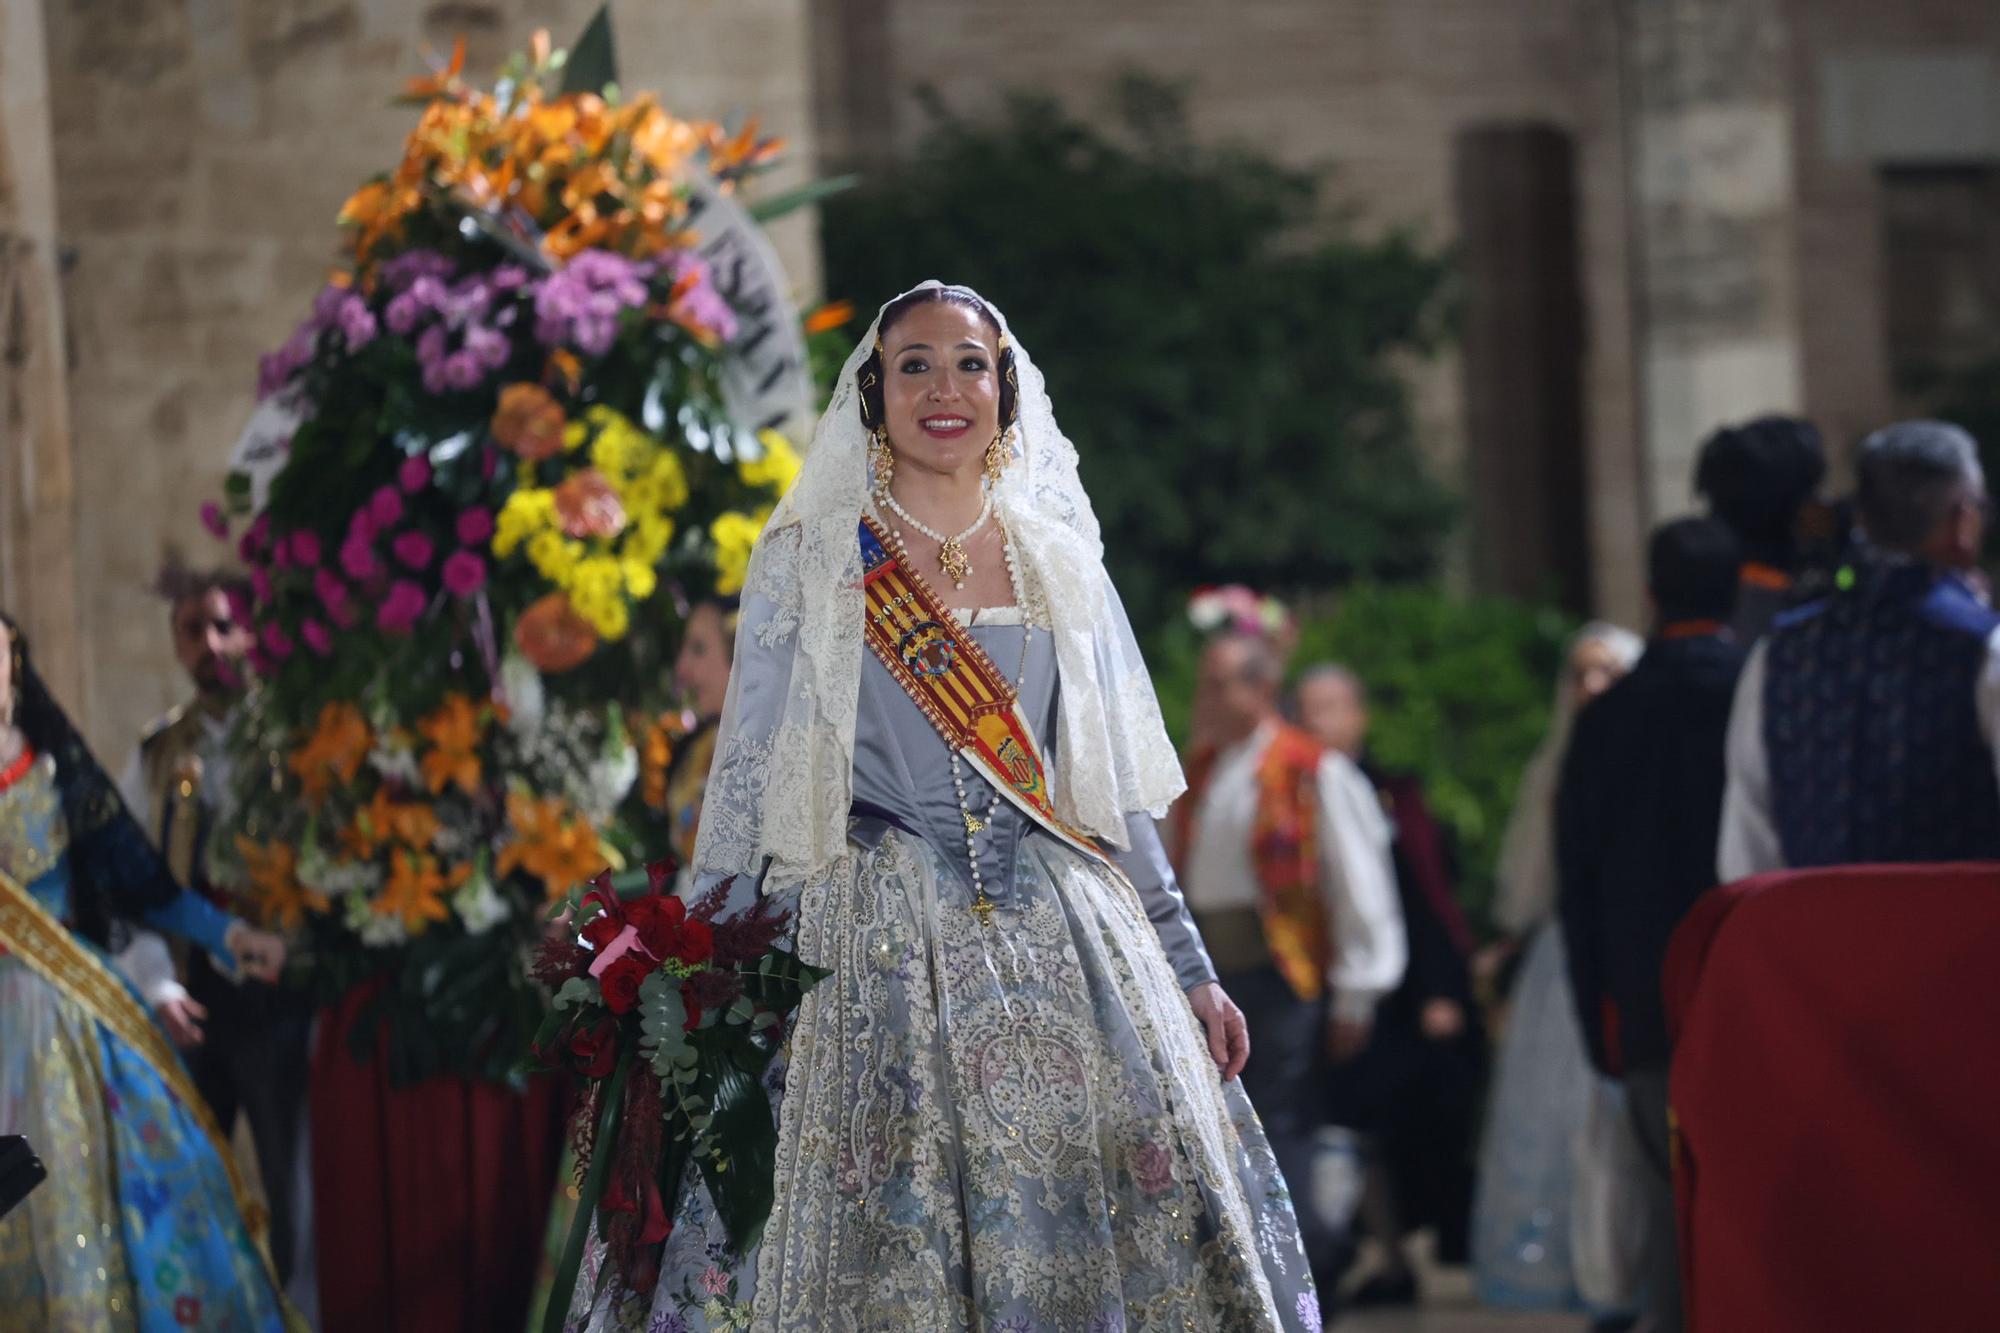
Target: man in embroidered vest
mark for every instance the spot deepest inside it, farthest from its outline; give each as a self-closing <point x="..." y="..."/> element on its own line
<point x="1757" y="478"/>
<point x="1636" y="817"/>
<point x="1283" y="854"/>
<point x="1864" y="726"/>
<point x="244" y="1041"/>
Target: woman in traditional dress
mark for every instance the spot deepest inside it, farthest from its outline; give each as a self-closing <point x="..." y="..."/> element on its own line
<point x="1522" y="1249"/>
<point x="139" y="1224"/>
<point x="1013" y="1104"/>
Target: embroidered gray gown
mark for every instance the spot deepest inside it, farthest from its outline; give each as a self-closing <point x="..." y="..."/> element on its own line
<point x="1013" y="1127"/>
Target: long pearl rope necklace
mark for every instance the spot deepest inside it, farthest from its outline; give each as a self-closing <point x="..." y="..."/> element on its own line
<point x="951" y="550"/>
<point x="976" y="824"/>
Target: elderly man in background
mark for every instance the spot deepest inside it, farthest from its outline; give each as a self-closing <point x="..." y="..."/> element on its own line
<point x="1864" y="726"/>
<point x="245" y="1041"/>
<point x="1284" y="855"/>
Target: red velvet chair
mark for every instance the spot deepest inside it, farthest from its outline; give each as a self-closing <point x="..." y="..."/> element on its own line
<point x="1836" y="1082"/>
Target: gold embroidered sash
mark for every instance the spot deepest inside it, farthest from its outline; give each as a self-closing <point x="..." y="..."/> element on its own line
<point x="30" y="933"/>
<point x="955" y="684"/>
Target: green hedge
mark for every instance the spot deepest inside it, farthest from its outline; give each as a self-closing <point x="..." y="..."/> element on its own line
<point x="1460" y="689"/>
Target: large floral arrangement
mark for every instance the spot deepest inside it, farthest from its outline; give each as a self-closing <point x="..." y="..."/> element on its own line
<point x="669" y="1017"/>
<point x="512" y="461"/>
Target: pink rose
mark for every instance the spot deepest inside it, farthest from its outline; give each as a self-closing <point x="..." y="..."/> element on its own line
<point x="414" y="475"/>
<point x="464" y="574"/>
<point x="305" y="549"/>
<point x="400" y="609"/>
<point x="260" y="585"/>
<point x="385" y="507"/>
<point x="475" y="526"/>
<point x="318" y="637"/>
<point x="281" y="556"/>
<point x="360" y="527"/>
<point x="358" y="560"/>
<point x="277" y="643"/>
<point x="413" y="549"/>
<point x="212" y="519"/>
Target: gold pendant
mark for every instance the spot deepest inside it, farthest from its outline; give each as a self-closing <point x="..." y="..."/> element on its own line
<point x="951" y="559"/>
<point x="973" y="823"/>
<point x="982" y="907"/>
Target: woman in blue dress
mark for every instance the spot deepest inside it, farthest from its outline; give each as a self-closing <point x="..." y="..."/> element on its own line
<point x="139" y="1225"/>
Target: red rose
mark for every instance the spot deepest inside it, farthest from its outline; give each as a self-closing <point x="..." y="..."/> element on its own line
<point x="653" y="911"/>
<point x="596" y="1049"/>
<point x="620" y="982"/>
<point x="696" y="945"/>
<point x="601" y="930"/>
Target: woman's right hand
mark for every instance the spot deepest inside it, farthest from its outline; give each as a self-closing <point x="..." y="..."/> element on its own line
<point x="259" y="954"/>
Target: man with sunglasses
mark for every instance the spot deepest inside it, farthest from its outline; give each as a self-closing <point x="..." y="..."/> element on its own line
<point x="1864" y="728"/>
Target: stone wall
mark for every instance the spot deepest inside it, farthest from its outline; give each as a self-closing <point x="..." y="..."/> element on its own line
<point x="202" y="148"/>
<point x="1378" y="92"/>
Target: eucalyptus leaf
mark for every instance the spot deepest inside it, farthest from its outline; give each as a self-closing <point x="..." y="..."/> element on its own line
<point x="577" y="990"/>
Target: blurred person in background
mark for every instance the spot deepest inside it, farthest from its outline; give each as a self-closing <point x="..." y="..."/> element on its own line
<point x="1636" y="814"/>
<point x="701" y="677"/>
<point x="1284" y="855"/>
<point x="1865" y="726"/>
<point x="1759" y="479"/>
<point x="1414" y="1090"/>
<point x="245" y="1041"/>
<point x="1543" y="1084"/>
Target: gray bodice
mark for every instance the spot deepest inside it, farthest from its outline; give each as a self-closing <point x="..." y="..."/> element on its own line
<point x="902" y="766"/>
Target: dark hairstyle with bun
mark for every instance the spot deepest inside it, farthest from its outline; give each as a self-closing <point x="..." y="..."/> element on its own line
<point x="869" y="379"/>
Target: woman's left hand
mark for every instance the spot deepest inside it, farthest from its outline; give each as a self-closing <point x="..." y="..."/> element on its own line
<point x="1228" y="1034"/>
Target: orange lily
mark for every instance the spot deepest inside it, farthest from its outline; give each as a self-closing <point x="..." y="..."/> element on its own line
<point x="454" y="733"/>
<point x="273" y="869"/>
<point x="551" y="842"/>
<point x="415" y="890"/>
<point x="334" y="751"/>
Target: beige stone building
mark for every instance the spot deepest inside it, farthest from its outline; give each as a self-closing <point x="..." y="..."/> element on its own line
<point x="1670" y="213"/>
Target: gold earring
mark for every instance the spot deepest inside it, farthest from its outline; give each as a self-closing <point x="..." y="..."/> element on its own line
<point x="881" y="458"/>
<point x="998" y="455"/>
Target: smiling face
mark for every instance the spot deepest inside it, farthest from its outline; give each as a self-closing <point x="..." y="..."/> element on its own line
<point x="940" y="388"/>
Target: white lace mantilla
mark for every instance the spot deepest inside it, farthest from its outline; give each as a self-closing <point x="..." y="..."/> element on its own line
<point x="782" y="782"/>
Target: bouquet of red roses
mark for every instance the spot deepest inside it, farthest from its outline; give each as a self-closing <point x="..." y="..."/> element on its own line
<point x="670" y="1017"/>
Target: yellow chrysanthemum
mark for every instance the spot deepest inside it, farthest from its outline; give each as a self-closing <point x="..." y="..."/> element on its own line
<point x="672" y="479"/>
<point x="640" y="580"/>
<point x="554" y="556"/>
<point x="778" y="467"/>
<point x="526" y="512"/>
<point x="734" y="535"/>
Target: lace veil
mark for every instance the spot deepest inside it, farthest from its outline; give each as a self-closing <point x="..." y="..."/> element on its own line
<point x="779" y="792"/>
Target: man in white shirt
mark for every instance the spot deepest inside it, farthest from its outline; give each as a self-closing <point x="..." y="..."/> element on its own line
<point x="1864" y="728"/>
<point x="1284" y="855"/>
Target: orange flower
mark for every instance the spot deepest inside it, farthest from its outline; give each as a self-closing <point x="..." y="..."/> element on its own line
<point x="335" y="750"/>
<point x="529" y="422"/>
<point x="412" y="823"/>
<point x="832" y="315"/>
<point x="656" y="756"/>
<point x="441" y="80"/>
<point x="588" y="506"/>
<point x="416" y="888"/>
<point x="454" y="732"/>
<point x="551" y="842"/>
<point x="273" y="868"/>
<point x="553" y="637"/>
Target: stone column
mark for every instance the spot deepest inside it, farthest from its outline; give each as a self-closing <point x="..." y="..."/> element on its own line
<point x="1708" y="119"/>
<point x="38" y="585"/>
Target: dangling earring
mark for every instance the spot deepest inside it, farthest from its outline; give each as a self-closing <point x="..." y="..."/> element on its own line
<point x="881" y="458"/>
<point x="998" y="455"/>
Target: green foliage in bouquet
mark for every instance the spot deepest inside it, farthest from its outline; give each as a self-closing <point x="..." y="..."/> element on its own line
<point x="1227" y="357"/>
<point x="670" y="1017"/>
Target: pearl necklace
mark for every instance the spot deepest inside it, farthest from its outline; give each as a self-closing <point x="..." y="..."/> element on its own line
<point x="951" y="550"/>
<point x="982" y="906"/>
